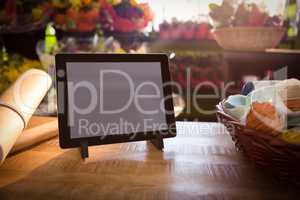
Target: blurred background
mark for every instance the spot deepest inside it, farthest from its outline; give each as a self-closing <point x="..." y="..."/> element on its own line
<point x="215" y="46"/>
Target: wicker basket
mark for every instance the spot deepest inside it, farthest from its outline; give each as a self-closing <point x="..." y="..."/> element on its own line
<point x="249" y="38"/>
<point x="268" y="152"/>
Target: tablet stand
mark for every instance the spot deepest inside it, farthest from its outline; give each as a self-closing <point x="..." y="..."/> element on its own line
<point x="84" y="149"/>
<point x="158" y="142"/>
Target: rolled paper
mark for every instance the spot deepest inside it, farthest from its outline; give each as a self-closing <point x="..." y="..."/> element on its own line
<point x="38" y="130"/>
<point x="17" y="105"/>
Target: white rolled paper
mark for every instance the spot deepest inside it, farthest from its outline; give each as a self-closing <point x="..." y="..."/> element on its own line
<point x="17" y="104"/>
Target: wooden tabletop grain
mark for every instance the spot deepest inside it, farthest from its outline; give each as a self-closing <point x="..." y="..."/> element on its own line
<point x="200" y="163"/>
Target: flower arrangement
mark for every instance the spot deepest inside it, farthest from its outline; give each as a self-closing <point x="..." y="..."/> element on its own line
<point x="230" y="14"/>
<point x="125" y="15"/>
<point x="76" y="15"/>
<point x="16" y="13"/>
<point x="189" y="30"/>
<point x="246" y="26"/>
<point x="11" y="66"/>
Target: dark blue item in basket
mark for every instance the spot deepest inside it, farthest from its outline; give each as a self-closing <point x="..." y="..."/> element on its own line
<point x="247" y="88"/>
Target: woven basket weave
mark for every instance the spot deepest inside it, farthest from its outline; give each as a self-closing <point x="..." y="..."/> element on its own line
<point x="249" y="38"/>
<point x="272" y="154"/>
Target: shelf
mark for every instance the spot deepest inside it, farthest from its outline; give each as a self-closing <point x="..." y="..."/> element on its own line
<point x="270" y="57"/>
<point x="284" y="62"/>
<point x="177" y="46"/>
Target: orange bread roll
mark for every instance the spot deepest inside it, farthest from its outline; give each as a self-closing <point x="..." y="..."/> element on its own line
<point x="263" y="117"/>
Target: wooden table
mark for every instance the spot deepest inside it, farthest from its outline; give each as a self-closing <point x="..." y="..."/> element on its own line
<point x="200" y="163"/>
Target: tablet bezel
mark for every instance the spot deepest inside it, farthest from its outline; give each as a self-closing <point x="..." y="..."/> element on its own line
<point x="65" y="139"/>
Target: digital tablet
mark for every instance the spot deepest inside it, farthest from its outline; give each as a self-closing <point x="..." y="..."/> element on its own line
<point x="113" y="98"/>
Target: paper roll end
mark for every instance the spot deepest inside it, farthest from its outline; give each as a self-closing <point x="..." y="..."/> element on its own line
<point x="39" y="72"/>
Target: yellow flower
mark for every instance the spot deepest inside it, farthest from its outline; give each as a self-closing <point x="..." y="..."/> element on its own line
<point x="76" y="3"/>
<point x="114" y="2"/>
<point x="133" y="2"/>
<point x="28" y="64"/>
<point x="58" y="4"/>
<point x="12" y="74"/>
<point x="86" y="2"/>
<point x="37" y="13"/>
<point x="120" y="51"/>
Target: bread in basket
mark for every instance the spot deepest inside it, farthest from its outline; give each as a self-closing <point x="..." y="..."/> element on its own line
<point x="270" y="152"/>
